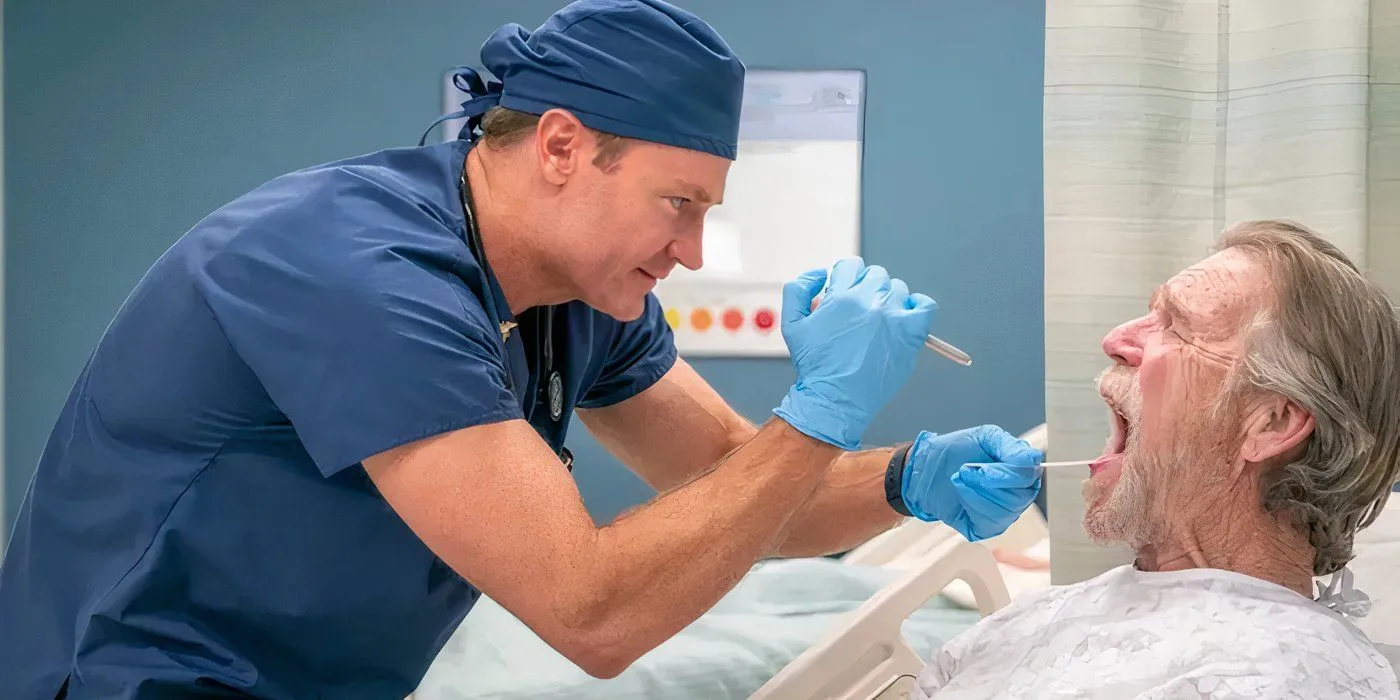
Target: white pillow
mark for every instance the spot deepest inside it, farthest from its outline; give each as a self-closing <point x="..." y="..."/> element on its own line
<point x="1376" y="568"/>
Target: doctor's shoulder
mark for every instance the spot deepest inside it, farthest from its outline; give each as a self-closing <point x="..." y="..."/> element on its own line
<point x="339" y="219"/>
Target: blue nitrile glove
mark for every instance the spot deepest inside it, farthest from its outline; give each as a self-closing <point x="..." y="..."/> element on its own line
<point x="853" y="352"/>
<point x="977" y="481"/>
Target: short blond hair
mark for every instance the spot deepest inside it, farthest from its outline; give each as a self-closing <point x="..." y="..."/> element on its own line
<point x="503" y="128"/>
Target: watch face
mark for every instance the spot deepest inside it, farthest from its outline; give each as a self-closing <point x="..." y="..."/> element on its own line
<point x="556" y="396"/>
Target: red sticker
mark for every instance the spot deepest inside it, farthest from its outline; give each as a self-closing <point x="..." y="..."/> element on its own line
<point x="763" y="319"/>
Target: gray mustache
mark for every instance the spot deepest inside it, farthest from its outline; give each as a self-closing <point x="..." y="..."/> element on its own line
<point x="1118" y="387"/>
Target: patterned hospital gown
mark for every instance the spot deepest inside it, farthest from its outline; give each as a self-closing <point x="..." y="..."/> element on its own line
<point x="1200" y="633"/>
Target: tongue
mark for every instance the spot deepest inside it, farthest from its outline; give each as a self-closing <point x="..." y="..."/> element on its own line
<point x="1104" y="460"/>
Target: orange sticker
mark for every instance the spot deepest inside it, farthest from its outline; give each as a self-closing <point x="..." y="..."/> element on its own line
<point x="701" y="319"/>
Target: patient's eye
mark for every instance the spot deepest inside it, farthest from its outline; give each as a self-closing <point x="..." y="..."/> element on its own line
<point x="1169" y="326"/>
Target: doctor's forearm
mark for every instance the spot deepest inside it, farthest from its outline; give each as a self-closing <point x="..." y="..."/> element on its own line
<point x="658" y="568"/>
<point x="847" y="508"/>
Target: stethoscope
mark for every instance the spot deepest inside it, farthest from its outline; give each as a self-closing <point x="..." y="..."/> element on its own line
<point x="554" y="383"/>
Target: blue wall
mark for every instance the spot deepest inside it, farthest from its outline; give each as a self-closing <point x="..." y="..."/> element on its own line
<point x="127" y="122"/>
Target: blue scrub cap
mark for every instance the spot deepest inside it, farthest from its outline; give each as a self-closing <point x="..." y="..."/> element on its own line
<point x="642" y="69"/>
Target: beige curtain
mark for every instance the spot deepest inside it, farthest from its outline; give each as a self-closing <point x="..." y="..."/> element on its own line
<point x="1166" y="120"/>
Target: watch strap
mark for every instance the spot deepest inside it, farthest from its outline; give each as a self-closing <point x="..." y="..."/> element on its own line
<point x="894" y="480"/>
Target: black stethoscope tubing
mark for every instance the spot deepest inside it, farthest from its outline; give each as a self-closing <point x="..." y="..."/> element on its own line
<point x="553" y="386"/>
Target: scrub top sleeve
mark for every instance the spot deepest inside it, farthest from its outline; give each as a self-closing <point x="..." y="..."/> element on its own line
<point x="362" y="356"/>
<point x="642" y="351"/>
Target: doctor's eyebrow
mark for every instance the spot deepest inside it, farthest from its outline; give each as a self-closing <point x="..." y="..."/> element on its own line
<point x="695" y="192"/>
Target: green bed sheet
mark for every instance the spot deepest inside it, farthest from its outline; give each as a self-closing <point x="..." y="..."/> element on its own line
<point x="777" y="611"/>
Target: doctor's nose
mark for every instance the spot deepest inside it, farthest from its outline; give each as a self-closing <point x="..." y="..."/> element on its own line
<point x="1124" y="344"/>
<point x="688" y="249"/>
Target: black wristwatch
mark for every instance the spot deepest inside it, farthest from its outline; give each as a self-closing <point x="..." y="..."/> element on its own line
<point x="894" y="480"/>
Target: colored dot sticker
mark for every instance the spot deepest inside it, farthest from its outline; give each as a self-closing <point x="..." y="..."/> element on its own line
<point x="733" y="319"/>
<point x="763" y="319"/>
<point x="700" y="320"/>
<point x="673" y="318"/>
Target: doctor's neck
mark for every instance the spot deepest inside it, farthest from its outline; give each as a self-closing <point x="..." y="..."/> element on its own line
<point x="1229" y="530"/>
<point x="512" y="232"/>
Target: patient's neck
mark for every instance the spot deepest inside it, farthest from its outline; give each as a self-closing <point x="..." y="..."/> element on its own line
<point x="1236" y="535"/>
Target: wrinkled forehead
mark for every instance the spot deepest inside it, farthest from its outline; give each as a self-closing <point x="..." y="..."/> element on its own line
<point x="1219" y="293"/>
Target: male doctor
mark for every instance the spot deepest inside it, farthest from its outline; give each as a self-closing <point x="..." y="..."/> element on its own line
<point x="333" y="414"/>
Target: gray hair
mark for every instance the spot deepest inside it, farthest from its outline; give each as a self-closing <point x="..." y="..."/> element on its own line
<point x="1330" y="342"/>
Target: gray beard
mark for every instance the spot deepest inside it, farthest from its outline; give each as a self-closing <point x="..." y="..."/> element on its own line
<point x="1136" y="511"/>
<point x="1130" y="512"/>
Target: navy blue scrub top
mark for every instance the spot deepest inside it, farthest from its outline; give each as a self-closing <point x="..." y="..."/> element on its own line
<point x="200" y="521"/>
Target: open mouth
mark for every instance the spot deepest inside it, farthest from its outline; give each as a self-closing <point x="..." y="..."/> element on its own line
<point x="1120" y="430"/>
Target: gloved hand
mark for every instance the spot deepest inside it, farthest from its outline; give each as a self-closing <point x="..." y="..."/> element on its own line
<point x="977" y="481"/>
<point x="853" y="352"/>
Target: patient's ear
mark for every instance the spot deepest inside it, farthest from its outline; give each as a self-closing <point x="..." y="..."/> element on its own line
<point x="1275" y="427"/>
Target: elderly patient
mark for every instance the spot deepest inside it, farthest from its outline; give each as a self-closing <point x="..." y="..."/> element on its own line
<point x="1256" y="429"/>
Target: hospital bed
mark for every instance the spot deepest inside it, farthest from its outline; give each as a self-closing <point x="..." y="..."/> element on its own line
<point x="778" y="611"/>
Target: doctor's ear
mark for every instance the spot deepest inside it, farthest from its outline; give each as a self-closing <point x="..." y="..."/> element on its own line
<point x="1275" y="427"/>
<point x="559" y="145"/>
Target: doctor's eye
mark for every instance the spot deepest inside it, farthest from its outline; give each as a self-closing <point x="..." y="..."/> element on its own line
<point x="677" y="202"/>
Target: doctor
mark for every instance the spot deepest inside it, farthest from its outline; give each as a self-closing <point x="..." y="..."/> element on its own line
<point x="333" y="414"/>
